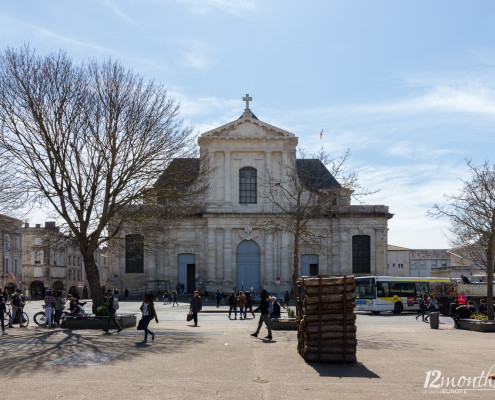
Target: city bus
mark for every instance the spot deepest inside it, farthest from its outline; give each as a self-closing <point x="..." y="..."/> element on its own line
<point x="391" y="293"/>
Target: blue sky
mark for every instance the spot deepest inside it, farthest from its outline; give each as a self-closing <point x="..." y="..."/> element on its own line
<point x="407" y="86"/>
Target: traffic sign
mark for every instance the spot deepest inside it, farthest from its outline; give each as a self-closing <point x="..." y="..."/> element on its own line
<point x="79" y="284"/>
<point x="278" y="279"/>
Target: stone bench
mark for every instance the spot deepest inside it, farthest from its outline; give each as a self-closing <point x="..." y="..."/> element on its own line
<point x="99" y="322"/>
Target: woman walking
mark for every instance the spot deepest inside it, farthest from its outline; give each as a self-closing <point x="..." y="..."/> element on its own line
<point x="174" y="297"/>
<point x="148" y="310"/>
<point x="422" y="308"/>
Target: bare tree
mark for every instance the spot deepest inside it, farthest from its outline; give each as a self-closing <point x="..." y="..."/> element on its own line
<point x="472" y="216"/>
<point x="310" y="189"/>
<point x="91" y="140"/>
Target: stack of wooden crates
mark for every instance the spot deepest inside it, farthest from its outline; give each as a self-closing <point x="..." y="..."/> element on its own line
<point x="326" y="320"/>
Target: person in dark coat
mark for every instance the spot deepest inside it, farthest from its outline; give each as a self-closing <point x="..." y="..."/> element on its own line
<point x="263" y="309"/>
<point x="276" y="308"/>
<point x="149" y="313"/>
<point x="232" y="304"/>
<point x="196" y="306"/>
<point x="112" y="309"/>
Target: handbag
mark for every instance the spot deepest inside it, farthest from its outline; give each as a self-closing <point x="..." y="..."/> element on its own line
<point x="140" y="325"/>
<point x="190" y="316"/>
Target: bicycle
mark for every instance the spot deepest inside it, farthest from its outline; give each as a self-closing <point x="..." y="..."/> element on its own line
<point x="23" y="321"/>
<point x="39" y="317"/>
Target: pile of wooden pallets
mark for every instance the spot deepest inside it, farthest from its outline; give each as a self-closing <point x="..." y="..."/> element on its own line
<point x="326" y="320"/>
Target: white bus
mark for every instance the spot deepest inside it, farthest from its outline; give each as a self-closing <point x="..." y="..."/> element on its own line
<point x="391" y="293"/>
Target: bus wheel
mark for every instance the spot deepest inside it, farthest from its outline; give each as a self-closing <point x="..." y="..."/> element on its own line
<point x="398" y="307"/>
<point x="375" y="312"/>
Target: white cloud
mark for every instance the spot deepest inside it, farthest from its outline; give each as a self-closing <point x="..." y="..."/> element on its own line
<point x="119" y="13"/>
<point x="235" y="7"/>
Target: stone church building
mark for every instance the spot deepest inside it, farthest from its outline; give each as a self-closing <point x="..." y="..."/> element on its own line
<point x="223" y="249"/>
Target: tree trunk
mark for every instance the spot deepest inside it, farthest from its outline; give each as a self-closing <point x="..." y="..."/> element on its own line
<point x="93" y="278"/>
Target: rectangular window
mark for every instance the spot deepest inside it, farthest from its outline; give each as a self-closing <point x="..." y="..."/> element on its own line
<point x="365" y="288"/>
<point x="433" y="263"/>
<point x="37" y="241"/>
<point x="422" y="264"/>
<point x="361" y="254"/>
<point x="444" y="263"/>
<point x="248" y="186"/>
<point x="414" y="265"/>
<point x="37" y="272"/>
<point x="6" y="242"/>
<point x="134" y="254"/>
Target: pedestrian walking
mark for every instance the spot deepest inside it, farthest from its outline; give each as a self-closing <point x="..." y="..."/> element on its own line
<point x="196" y="306"/>
<point x="149" y="313"/>
<point x="286" y="299"/>
<point x="126" y="294"/>
<point x="3" y="309"/>
<point x="422" y="308"/>
<point x="232" y="305"/>
<point x="165" y="297"/>
<point x="218" y="296"/>
<point x="113" y="306"/>
<point x="249" y="304"/>
<point x="432" y="306"/>
<point x="264" y="310"/>
<point x="174" y="298"/>
<point x="241" y="303"/>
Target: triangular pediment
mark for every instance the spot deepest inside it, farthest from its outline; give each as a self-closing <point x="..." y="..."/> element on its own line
<point x="247" y="128"/>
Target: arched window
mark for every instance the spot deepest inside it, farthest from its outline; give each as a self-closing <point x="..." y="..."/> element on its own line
<point x="134" y="254"/>
<point x="247" y="185"/>
<point x="361" y="254"/>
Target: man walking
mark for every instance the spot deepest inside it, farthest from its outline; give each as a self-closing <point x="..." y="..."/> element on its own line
<point x="113" y="306"/>
<point x="196" y="306"/>
<point x="219" y="298"/>
<point x="263" y="309"/>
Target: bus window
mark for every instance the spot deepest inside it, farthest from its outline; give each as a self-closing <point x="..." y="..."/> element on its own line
<point x="422" y="288"/>
<point x="365" y="288"/>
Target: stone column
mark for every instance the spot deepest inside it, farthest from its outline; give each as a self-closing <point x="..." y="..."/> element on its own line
<point x="227" y="176"/>
<point x="211" y="260"/>
<point x="228" y="254"/>
<point x="286" y="257"/>
<point x="220" y="262"/>
<point x="267" y="273"/>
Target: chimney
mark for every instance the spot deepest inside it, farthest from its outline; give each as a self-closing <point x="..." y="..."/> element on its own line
<point x="26" y="225"/>
<point x="50" y="225"/>
<point x="38" y="225"/>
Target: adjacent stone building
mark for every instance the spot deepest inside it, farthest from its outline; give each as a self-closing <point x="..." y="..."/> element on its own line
<point x="11" y="245"/>
<point x="221" y="248"/>
<point x="52" y="260"/>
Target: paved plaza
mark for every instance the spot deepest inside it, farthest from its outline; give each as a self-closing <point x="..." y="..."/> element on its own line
<point x="220" y="360"/>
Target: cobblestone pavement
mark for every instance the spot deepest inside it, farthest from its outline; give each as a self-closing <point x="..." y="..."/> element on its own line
<point x="219" y="360"/>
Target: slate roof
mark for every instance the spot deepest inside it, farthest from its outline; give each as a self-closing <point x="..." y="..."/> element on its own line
<point x="314" y="174"/>
<point x="182" y="172"/>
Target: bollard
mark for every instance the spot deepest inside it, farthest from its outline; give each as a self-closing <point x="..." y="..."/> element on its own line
<point x="434" y="318"/>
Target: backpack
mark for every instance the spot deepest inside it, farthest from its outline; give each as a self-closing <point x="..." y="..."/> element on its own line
<point x="270" y="305"/>
<point x="115" y="304"/>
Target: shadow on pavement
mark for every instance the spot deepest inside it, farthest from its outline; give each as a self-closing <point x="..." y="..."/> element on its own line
<point x="27" y="354"/>
<point x="357" y="370"/>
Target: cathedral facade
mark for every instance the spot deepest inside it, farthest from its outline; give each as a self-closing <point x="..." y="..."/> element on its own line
<point x="225" y="248"/>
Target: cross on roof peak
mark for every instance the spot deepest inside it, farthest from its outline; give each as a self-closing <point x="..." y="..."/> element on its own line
<point x="247" y="99"/>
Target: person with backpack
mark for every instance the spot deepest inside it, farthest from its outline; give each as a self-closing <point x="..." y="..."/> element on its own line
<point x="113" y="306"/>
<point x="264" y="310"/>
